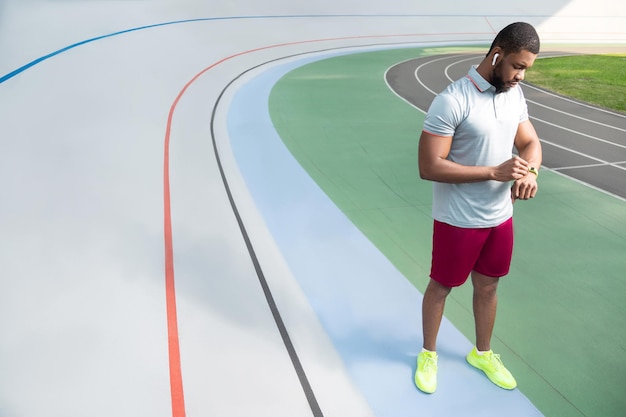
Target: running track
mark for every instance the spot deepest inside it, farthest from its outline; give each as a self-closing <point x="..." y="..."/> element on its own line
<point x="81" y="205"/>
<point x="584" y="142"/>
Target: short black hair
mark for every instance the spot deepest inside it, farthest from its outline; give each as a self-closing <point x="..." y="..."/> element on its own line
<point x="516" y="37"/>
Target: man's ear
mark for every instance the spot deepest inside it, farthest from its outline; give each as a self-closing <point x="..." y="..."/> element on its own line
<point x="496" y="54"/>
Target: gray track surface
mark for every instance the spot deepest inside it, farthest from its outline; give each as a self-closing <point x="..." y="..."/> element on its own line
<point x="581" y="141"/>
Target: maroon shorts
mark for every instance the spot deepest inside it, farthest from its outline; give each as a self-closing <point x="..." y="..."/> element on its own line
<point x="458" y="251"/>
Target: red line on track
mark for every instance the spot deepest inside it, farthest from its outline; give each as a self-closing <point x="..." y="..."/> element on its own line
<point x="490" y="25"/>
<point x="176" y="377"/>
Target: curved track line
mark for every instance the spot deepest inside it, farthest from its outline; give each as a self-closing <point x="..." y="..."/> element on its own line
<point x="419" y="80"/>
<point x="176" y="22"/>
<point x="608" y="142"/>
<point x="584" y="119"/>
<point x="178" y="403"/>
<point x="384" y="372"/>
<point x="176" y="379"/>
<point x="177" y="392"/>
<point x="565" y="148"/>
<point x="394" y="92"/>
<point x="204" y="19"/>
<point x="490" y="25"/>
<point x="447" y="72"/>
<point x="549" y="93"/>
<point x="536" y="118"/>
<point x="601" y="162"/>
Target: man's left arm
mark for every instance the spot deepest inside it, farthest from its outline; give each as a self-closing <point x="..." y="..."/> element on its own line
<point x="529" y="149"/>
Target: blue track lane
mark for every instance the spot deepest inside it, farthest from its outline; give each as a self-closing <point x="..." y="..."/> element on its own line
<point x="370" y="311"/>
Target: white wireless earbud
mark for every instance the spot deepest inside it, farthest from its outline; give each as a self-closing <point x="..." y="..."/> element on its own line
<point x="494" y="59"/>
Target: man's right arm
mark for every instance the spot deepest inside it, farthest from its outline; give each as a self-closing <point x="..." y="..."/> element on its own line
<point x="434" y="166"/>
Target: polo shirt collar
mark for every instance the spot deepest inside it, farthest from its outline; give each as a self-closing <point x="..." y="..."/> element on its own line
<point x="479" y="82"/>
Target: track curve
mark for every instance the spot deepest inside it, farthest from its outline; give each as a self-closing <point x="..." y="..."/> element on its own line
<point x="584" y="142"/>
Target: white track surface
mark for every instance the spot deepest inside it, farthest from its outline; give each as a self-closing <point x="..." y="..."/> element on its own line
<point x="82" y="305"/>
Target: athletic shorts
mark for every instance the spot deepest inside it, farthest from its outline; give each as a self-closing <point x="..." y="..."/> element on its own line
<point x="458" y="251"/>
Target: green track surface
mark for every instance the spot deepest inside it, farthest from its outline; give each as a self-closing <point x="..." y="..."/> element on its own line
<point x="562" y="312"/>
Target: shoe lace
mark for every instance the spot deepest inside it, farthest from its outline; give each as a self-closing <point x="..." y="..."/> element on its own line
<point x="496" y="362"/>
<point x="429" y="363"/>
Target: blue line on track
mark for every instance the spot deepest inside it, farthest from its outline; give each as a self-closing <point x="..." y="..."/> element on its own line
<point x="176" y="22"/>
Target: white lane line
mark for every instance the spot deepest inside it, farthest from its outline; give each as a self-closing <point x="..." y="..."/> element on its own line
<point x="532" y="117"/>
<point x="601" y="161"/>
<point x="446" y="71"/>
<point x="473" y="57"/>
<point x="476" y="56"/>
<point x="415" y="74"/>
<point x="587" y="166"/>
<point x="576" y="102"/>
<point x="593" y="187"/>
<point x="608" y="142"/>
<point x="570" y="114"/>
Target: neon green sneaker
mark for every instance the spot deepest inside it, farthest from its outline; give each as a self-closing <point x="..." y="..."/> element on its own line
<point x="491" y="364"/>
<point x="426" y="373"/>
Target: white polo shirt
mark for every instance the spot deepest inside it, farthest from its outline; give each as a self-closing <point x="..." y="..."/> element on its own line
<point x="483" y="125"/>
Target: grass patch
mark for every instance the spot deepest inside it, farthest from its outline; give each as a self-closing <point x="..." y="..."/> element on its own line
<point x="595" y="79"/>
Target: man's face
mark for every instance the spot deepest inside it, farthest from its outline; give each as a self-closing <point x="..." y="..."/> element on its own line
<point x="510" y="70"/>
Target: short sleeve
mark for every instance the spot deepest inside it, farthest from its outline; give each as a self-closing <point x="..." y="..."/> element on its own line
<point x="443" y="116"/>
<point x="524" y="106"/>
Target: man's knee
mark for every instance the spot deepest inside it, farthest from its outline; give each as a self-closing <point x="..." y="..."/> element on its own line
<point x="484" y="284"/>
<point x="437" y="289"/>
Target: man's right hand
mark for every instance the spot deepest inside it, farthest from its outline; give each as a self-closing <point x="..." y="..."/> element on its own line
<point x="512" y="169"/>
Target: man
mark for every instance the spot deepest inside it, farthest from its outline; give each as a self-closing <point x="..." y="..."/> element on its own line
<point x="466" y="149"/>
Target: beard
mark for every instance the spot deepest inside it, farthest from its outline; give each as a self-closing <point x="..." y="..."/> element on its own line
<point x="497" y="81"/>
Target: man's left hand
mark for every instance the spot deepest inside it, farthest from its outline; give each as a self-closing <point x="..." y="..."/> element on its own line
<point x="524" y="188"/>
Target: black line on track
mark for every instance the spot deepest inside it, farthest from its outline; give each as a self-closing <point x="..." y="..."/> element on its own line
<point x="280" y="324"/>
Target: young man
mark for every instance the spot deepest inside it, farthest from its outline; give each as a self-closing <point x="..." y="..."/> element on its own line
<point x="466" y="149"/>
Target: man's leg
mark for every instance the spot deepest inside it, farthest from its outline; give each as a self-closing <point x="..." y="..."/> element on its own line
<point x="432" y="312"/>
<point x="455" y="251"/>
<point x="485" y="304"/>
<point x="494" y="260"/>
